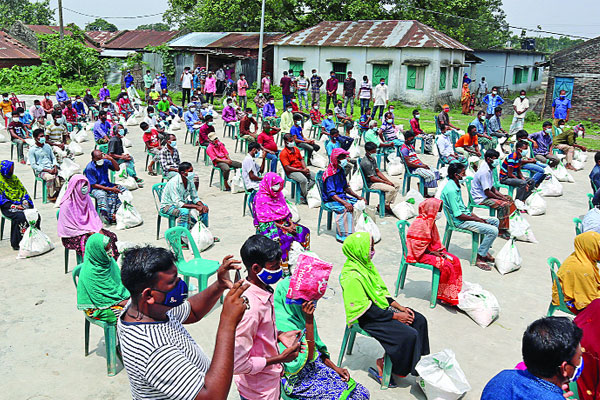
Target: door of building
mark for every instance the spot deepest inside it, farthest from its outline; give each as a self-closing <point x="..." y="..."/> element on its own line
<point x="380" y="71"/>
<point x="562" y="83"/>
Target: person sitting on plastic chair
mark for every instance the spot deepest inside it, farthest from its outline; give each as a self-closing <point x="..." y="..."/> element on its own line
<point x="192" y="119"/>
<point x="377" y="180"/>
<point x="245" y="124"/>
<point x="44" y="164"/>
<point x="250" y="170"/>
<point x="72" y="117"/>
<point x="294" y="166"/>
<point x="530" y="163"/>
<point x="428" y="138"/>
<point x="465" y="219"/>
<point x="18" y="134"/>
<point x="390" y="131"/>
<point x="375" y="135"/>
<point x="416" y="166"/>
<point x="511" y="175"/>
<point x="117" y="151"/>
<point x="566" y="141"/>
<point x="103" y="190"/>
<point x="219" y="156"/>
<point x="446" y="150"/>
<point x="102" y="129"/>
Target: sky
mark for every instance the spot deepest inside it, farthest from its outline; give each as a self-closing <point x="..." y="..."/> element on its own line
<point x="576" y="17"/>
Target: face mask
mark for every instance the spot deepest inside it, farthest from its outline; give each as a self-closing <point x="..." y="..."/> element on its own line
<point x="448" y="133"/>
<point x="461" y="181"/>
<point x="333" y="76"/>
<point x="99" y="163"/>
<point x="330" y="117"/>
<point x="125" y="97"/>
<point x="494" y="92"/>
<point x="299" y="123"/>
<point x="289" y="110"/>
<point x="548" y="131"/>
<point x="276" y="187"/>
<point x="84" y="190"/>
<point x="38" y="106"/>
<point x="42" y="140"/>
<point x="190" y="175"/>
<point x="495" y="163"/>
<point x="108" y="101"/>
<point x="176" y="296"/>
<point x="193" y="109"/>
<point x="173" y="143"/>
<point x="417" y="116"/>
<point x="482" y="118"/>
<point x="372" y="254"/>
<point x="88" y="92"/>
<point x="105" y="109"/>
<point x="446" y="110"/>
<point x="210" y="123"/>
<point x="382" y="83"/>
<point x="258" y="154"/>
<point x="249" y="115"/>
<point x="272" y="101"/>
<point x="343" y="163"/>
<point x="522" y="96"/>
<point x="561" y="127"/>
<point x="47" y="98"/>
<point x="316" y="107"/>
<point x="389" y="121"/>
<point x="291" y="145"/>
<point x="22" y="114"/>
<point x="122" y="91"/>
<point x="391" y="110"/>
<point x="438" y="216"/>
<point x="16" y="119"/>
<point x="562" y="96"/>
<point x="121" y="132"/>
<point x="577" y="372"/>
<point x="269" y="277"/>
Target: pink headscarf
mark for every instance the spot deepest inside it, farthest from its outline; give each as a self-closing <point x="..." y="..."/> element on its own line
<point x="270" y="205"/>
<point x="77" y="213"/>
<point x="333" y="166"/>
<point x="422" y="234"/>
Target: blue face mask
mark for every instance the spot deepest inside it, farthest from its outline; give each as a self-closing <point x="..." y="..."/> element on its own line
<point x="343" y="163"/>
<point x="578" y="370"/>
<point x="270" y="277"/>
<point x="176" y="296"/>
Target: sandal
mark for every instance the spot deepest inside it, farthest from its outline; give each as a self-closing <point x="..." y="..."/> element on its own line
<point x="151" y="173"/>
<point x="373" y="373"/>
<point x="216" y="239"/>
<point x="483" y="265"/>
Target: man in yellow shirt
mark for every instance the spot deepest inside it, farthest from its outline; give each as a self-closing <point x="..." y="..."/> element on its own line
<point x="6" y="107"/>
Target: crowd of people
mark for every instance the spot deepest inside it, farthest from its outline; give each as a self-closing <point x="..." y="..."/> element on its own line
<point x="267" y="346"/>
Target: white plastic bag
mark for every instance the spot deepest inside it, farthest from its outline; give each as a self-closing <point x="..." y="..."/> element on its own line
<point x="202" y="236"/>
<point x="551" y="187"/>
<point x="441" y="184"/>
<point x="404" y="210"/>
<point x="122" y="178"/>
<point x="364" y="223"/>
<point x="126" y="142"/>
<point x="415" y="194"/>
<point x="440" y="376"/>
<point x="356" y="182"/>
<point x="312" y="198"/>
<point x="536" y="205"/>
<point x="354" y="150"/>
<point x="132" y="121"/>
<point x="479" y="304"/>
<point x="520" y="229"/>
<point x="236" y="182"/>
<point x="561" y="173"/>
<point x="3" y="138"/>
<point x="176" y="124"/>
<point x="34" y="242"/>
<point x="63" y="189"/>
<point x="68" y="168"/>
<point x="293" y="211"/>
<point x="75" y="148"/>
<point x="318" y="160"/>
<point x="394" y="166"/>
<point x="580" y="156"/>
<point x="578" y="165"/>
<point x="508" y="258"/>
<point x="127" y="216"/>
<point x="122" y="245"/>
<point x="80" y="136"/>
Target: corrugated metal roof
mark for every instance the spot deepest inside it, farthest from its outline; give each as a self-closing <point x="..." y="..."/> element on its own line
<point x="52" y="30"/>
<point x="140" y="39"/>
<point x="197" y="39"/>
<point x="243" y="40"/>
<point x="376" y="33"/>
<point x="101" y="37"/>
<point x="11" y="48"/>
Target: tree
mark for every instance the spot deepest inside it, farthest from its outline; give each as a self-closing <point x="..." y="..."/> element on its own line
<point x="453" y="17"/>
<point x="159" y="26"/>
<point x="101" y="25"/>
<point x="547" y="44"/>
<point x="38" y="13"/>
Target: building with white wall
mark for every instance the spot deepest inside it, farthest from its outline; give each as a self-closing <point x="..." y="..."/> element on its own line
<point x="420" y="64"/>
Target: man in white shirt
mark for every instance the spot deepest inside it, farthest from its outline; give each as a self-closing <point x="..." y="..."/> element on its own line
<point x="520" y="105"/>
<point x="446" y="149"/>
<point x="250" y="170"/>
<point x="482" y="89"/>
<point x="186" y="85"/>
<point x="380" y="95"/>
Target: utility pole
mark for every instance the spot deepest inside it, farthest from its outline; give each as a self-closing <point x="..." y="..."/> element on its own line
<point x="60" y="20"/>
<point x="260" y="46"/>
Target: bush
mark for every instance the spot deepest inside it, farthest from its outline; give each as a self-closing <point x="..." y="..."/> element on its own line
<point x="532" y="117"/>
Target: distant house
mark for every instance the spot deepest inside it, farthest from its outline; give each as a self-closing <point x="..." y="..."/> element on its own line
<point x="13" y="52"/>
<point x="576" y="70"/>
<point x="213" y="50"/>
<point x="27" y="34"/>
<point x="420" y="64"/>
<point x="512" y="69"/>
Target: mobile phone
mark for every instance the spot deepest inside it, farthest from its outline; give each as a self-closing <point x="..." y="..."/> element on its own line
<point x="301" y="336"/>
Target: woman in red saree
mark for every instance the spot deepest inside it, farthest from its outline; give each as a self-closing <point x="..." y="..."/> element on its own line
<point x="425" y="246"/>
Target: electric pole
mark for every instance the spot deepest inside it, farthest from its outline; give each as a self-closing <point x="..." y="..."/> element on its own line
<point x="60" y="20"/>
<point x="260" y="47"/>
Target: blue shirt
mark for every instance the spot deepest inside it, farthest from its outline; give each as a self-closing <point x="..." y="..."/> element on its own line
<point x="269" y="110"/>
<point x="297" y="131"/>
<point x="41" y="158"/>
<point x="26" y="119"/>
<point x="128" y="80"/>
<point x="595" y="177"/>
<point x="163" y="82"/>
<point x="479" y="125"/>
<point x="98" y="175"/>
<point x="561" y="107"/>
<point x="494" y="125"/>
<point x="328" y="124"/>
<point x="329" y="146"/>
<point x="335" y="185"/>
<point x="514" y="384"/>
<point x="101" y="129"/>
<point x="362" y="122"/>
<point x="79" y="107"/>
<point x="190" y="119"/>
<point x="492" y="102"/>
<point x="543" y="140"/>
<point x="61" y="95"/>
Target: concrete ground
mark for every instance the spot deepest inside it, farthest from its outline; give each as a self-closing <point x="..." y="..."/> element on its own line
<point x="41" y="330"/>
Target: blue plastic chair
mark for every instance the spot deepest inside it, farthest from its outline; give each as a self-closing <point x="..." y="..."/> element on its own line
<point x="324" y="207"/>
<point x="450" y="227"/>
<point x="366" y="192"/>
<point x="554" y="265"/>
<point x="157" y="190"/>
<point x="407" y="176"/>
<point x="435" y="273"/>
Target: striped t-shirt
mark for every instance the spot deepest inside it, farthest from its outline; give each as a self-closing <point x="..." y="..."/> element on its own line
<point x="512" y="160"/>
<point x="161" y="358"/>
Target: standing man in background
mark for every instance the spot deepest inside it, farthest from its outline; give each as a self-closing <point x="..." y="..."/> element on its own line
<point x="331" y="87"/>
<point x="286" y="88"/>
<point x="561" y="107"/>
<point x="148" y="82"/>
<point x="492" y="101"/>
<point x="349" y="93"/>
<point x="315" y="84"/>
<point x="380" y="98"/>
<point x="242" y="86"/>
<point x="186" y="85"/>
<point x="520" y="106"/>
<point x="220" y="75"/>
<point x="302" y="83"/>
<point x="482" y="89"/>
<point x="266" y="84"/>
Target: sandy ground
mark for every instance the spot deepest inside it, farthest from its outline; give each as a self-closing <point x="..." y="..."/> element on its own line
<point x="41" y="330"/>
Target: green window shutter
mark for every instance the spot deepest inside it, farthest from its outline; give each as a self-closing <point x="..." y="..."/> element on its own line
<point x="525" y="75"/>
<point x="455" y="74"/>
<point x="443" y="74"/>
<point x="296" y="66"/>
<point x="380" y="71"/>
<point x="536" y="74"/>
<point x="517" y="74"/>
<point x="411" y="76"/>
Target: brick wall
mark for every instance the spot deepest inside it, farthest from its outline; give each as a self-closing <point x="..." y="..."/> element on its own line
<point x="583" y="65"/>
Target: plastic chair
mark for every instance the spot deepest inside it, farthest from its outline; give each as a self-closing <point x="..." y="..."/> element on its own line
<point x="472" y="204"/>
<point x="44" y="188"/>
<point x="435" y="273"/>
<point x="296" y="191"/>
<point x="206" y="159"/>
<point x="499" y="185"/>
<point x="240" y="139"/>
<point x="2" y="222"/>
<point x="366" y="192"/>
<point x="79" y="258"/>
<point x="578" y="226"/>
<point x="197" y="267"/>
<point x="450" y="227"/>
<point x="348" y="343"/>
<point x="315" y="131"/>
<point x="324" y="207"/>
<point x="156" y="164"/>
<point x="248" y="198"/>
<point x="554" y="265"/>
<point x="590" y="197"/>
<point x="110" y="334"/>
<point x="229" y="129"/>
<point x="157" y="190"/>
<point x="438" y="131"/>
<point x="407" y="176"/>
<point x="212" y="173"/>
<point x="12" y="148"/>
<point x="193" y="135"/>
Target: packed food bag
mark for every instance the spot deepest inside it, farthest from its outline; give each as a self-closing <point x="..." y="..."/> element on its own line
<point x="127" y="216"/>
<point x="479" y="304"/>
<point x="416" y="195"/>
<point x="562" y="174"/>
<point x="68" y="168"/>
<point x="75" y="148"/>
<point x="578" y="165"/>
<point x="122" y="178"/>
<point x="293" y="211"/>
<point x="3" y="138"/>
<point x="440" y="376"/>
<point x="579" y="155"/>
<point x="317" y="160"/>
<point x="355" y="150"/>
<point x="312" y="197"/>
<point x="132" y="121"/>
<point x="356" y="182"/>
<point x="551" y="187"/>
<point x="536" y="205"/>
<point x="236" y="181"/>
<point x="441" y="184"/>
<point x="34" y="242"/>
<point x="126" y="142"/>
<point x="405" y="210"/>
<point x="394" y="166"/>
<point x="202" y="236"/>
<point x="309" y="279"/>
<point x="508" y="258"/>
<point x="79" y="137"/>
<point x="520" y="229"/>
<point x="364" y="223"/>
<point x="176" y="124"/>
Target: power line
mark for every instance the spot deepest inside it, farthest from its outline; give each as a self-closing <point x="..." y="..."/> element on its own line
<point x="131" y="17"/>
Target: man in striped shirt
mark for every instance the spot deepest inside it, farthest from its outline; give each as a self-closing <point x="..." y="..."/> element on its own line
<point x="161" y="358"/>
<point x="511" y="175"/>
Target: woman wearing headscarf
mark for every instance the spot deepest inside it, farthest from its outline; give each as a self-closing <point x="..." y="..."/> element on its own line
<point x="78" y="219"/>
<point x="338" y="195"/>
<point x="578" y="275"/>
<point x="13" y="201"/>
<point x="273" y="218"/>
<point x="424" y="246"/>
<point x="401" y="331"/>
<point x="465" y="99"/>
<point x="100" y="292"/>
<point x="588" y="320"/>
<point x="312" y="375"/>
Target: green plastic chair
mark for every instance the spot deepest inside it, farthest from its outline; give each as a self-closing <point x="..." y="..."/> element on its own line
<point x="157" y="190"/>
<point x="206" y="158"/>
<point x="435" y="273"/>
<point x="438" y="131"/>
<point x="110" y="334"/>
<point x="102" y="147"/>
<point x="248" y="198"/>
<point x="348" y="344"/>
<point x="324" y="207"/>
<point x="193" y="135"/>
<point x="2" y="221"/>
<point x="239" y="139"/>
<point x="12" y="148"/>
<point x="554" y="265"/>
<point x="229" y="129"/>
<point x="44" y="188"/>
<point x="499" y="185"/>
<point x="450" y="227"/>
<point x="472" y="204"/>
<point x="79" y="258"/>
<point x="158" y="168"/>
<point x="578" y="226"/>
<point x="221" y="180"/>
<point x="296" y="191"/>
<point x="315" y="132"/>
<point x="197" y="267"/>
<point x="366" y="192"/>
<point x="590" y="197"/>
<point x="407" y="176"/>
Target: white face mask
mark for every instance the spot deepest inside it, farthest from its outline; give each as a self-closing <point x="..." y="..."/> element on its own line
<point x="417" y="116"/>
<point x="193" y="109"/>
<point x="125" y="97"/>
<point x="494" y="92"/>
<point x="16" y="119"/>
<point x="289" y="110"/>
<point x="561" y="127"/>
<point x="290" y="145"/>
<point x="276" y="187"/>
<point x="482" y="117"/>
<point x="548" y="131"/>
<point x="316" y="107"/>
<point x="99" y="163"/>
<point x="272" y="101"/>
